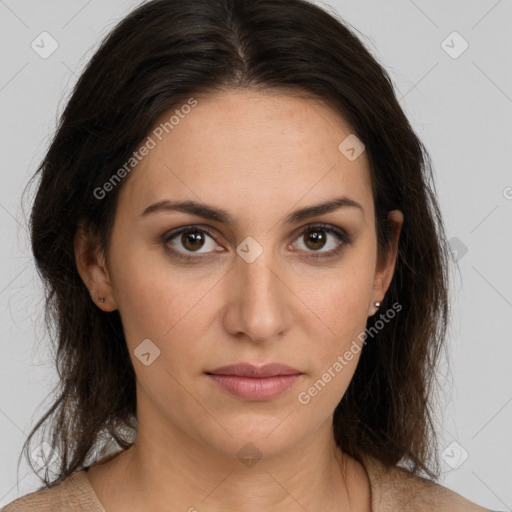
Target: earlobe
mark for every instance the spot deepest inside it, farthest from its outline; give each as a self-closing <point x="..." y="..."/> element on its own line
<point x="386" y="268"/>
<point x="374" y="308"/>
<point x="91" y="266"/>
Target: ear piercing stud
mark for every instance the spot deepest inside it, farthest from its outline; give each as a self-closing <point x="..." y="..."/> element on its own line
<point x="377" y="303"/>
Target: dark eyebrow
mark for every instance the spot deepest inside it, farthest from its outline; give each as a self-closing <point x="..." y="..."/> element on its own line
<point x="219" y="215"/>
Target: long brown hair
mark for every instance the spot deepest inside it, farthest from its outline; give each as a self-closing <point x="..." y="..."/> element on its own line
<point x="161" y="54"/>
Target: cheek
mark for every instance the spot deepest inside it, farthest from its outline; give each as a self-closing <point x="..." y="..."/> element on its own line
<point x="144" y="296"/>
<point x="342" y="303"/>
<point x="161" y="305"/>
<point x="340" y="313"/>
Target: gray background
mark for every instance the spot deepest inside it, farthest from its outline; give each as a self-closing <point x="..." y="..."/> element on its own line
<point x="461" y="108"/>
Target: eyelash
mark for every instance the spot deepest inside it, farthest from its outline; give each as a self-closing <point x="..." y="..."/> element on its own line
<point x="341" y="235"/>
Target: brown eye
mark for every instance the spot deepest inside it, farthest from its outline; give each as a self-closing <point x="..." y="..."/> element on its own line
<point x="189" y="240"/>
<point x="184" y="242"/>
<point x="315" y="239"/>
<point x="192" y="240"/>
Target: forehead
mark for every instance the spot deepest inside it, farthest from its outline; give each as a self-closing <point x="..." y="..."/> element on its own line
<point x="269" y="148"/>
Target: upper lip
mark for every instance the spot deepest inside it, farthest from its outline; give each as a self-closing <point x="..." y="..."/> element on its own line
<point x="250" y="370"/>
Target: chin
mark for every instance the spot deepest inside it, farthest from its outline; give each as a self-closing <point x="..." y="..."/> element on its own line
<point x="254" y="436"/>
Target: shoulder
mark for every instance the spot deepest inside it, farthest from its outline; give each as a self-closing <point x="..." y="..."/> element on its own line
<point x="398" y="489"/>
<point x="73" y="493"/>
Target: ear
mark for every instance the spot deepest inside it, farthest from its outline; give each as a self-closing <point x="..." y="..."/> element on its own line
<point x="386" y="266"/>
<point x="91" y="265"/>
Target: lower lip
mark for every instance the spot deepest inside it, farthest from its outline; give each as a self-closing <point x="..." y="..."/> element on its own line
<point x="255" y="388"/>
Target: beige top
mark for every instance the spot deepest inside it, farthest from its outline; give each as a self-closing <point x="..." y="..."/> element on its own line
<point x="391" y="490"/>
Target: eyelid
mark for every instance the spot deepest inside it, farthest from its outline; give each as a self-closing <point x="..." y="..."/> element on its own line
<point x="183" y="229"/>
<point x="343" y="237"/>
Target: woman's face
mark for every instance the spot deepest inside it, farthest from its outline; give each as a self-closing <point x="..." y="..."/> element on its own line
<point x="258" y="288"/>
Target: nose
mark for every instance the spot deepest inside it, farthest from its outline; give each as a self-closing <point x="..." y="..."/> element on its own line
<point x="260" y="302"/>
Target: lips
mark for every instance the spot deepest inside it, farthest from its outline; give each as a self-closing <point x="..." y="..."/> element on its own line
<point x="249" y="370"/>
<point x="255" y="383"/>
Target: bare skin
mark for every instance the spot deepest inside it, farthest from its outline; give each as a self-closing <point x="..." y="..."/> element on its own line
<point x="258" y="156"/>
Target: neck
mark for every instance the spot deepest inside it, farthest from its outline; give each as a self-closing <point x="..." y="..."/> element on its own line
<point x="177" y="472"/>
